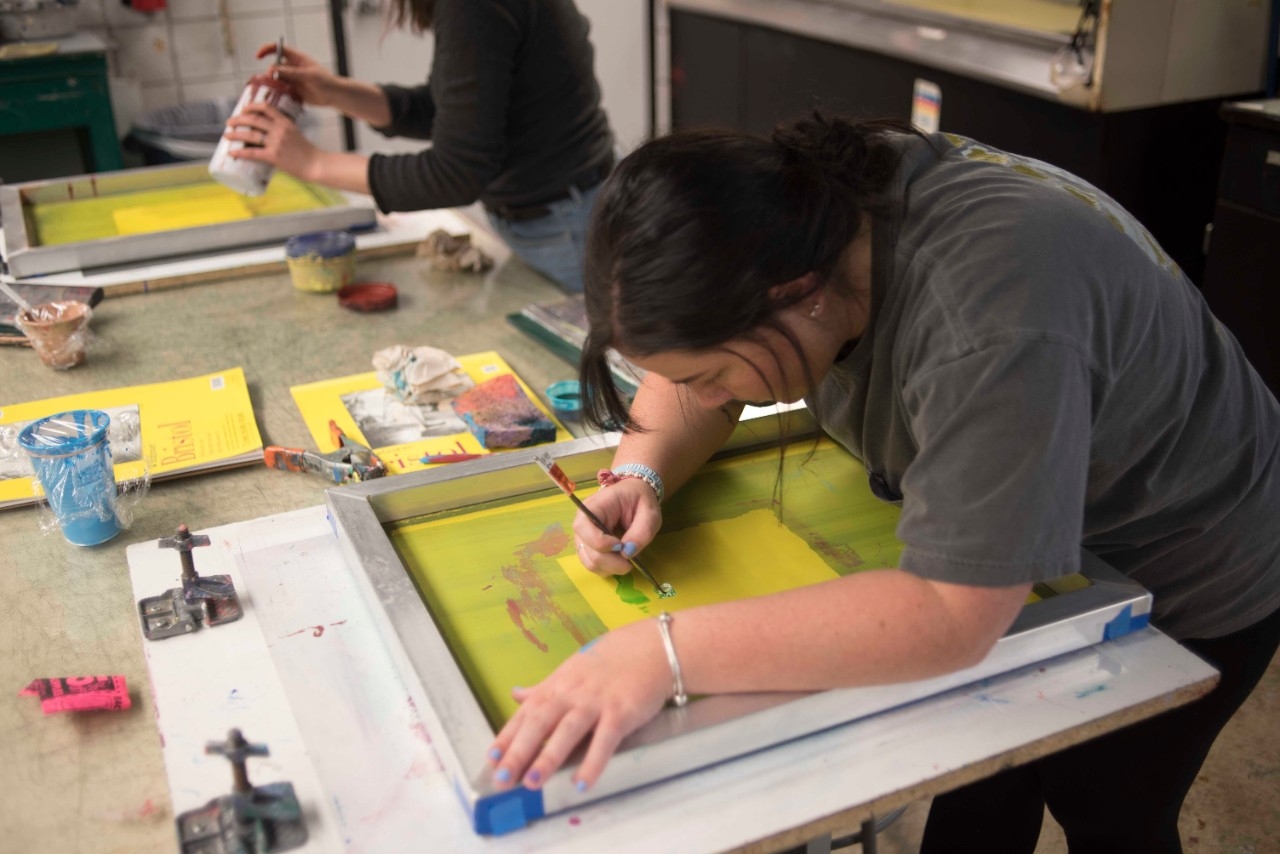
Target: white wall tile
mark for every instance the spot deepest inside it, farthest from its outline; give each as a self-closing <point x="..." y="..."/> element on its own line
<point x="326" y="132"/>
<point x="201" y="50"/>
<point x="159" y="95"/>
<point x="89" y="15"/>
<point x="190" y="10"/>
<point x="238" y="8"/>
<point x="120" y="15"/>
<point x="249" y="34"/>
<point x="212" y="89"/>
<point x="144" y="53"/>
<point x="312" y="35"/>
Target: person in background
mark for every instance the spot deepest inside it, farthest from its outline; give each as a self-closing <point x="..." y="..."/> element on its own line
<point x="512" y="109"/>
<point x="1012" y="357"/>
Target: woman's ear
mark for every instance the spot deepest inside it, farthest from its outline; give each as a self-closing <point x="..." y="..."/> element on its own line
<point x="796" y="289"/>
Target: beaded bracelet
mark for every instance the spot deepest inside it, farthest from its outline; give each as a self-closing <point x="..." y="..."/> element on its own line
<point x="678" y="696"/>
<point x="606" y="477"/>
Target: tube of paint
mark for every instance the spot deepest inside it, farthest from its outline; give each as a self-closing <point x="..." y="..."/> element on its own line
<point x="250" y="177"/>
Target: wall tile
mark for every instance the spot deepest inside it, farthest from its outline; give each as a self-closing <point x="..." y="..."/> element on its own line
<point x="120" y="15"/>
<point x="159" y="95"/>
<point x="89" y="15"/>
<point x="144" y="53"/>
<point x="326" y="132"/>
<point x="201" y="50"/>
<point x="254" y="7"/>
<point x="212" y="89"/>
<point x="311" y="35"/>
<point x="250" y="32"/>
<point x="181" y="54"/>
<point x="191" y="10"/>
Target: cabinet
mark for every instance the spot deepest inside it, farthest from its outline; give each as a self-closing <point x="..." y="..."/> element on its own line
<point x="55" y="113"/>
<point x="1243" y="267"/>
<point x="1146" y="131"/>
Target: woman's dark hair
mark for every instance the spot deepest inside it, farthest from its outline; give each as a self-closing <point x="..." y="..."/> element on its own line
<point x="692" y="230"/>
<point x="417" y="14"/>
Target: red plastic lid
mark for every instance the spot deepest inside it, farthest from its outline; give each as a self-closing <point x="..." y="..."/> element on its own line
<point x="368" y="296"/>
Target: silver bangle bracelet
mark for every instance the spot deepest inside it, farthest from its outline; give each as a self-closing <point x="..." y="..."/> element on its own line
<point x="678" y="696"/>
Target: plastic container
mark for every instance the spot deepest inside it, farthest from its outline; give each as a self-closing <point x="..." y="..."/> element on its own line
<point x="321" y="262"/>
<point x="566" y="399"/>
<point x="250" y="177"/>
<point x="72" y="460"/>
<point x="179" y="133"/>
<point x="58" y="332"/>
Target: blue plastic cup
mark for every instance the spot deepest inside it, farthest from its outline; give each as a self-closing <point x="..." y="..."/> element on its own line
<point x="72" y="460"/>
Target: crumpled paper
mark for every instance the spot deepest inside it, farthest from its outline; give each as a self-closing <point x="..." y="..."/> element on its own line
<point x="420" y="375"/>
<point x="453" y="253"/>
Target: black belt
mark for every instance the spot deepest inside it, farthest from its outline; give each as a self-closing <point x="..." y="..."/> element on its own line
<point x="583" y="183"/>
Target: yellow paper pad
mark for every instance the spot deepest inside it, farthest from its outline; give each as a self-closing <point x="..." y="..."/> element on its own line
<point x="751" y="555"/>
<point x="179" y="214"/>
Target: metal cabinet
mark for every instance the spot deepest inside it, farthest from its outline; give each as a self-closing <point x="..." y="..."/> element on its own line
<point x="1144" y="129"/>
<point x="1242" y="273"/>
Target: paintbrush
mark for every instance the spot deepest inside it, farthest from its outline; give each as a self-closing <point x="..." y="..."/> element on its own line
<point x="14" y="295"/>
<point x="562" y="480"/>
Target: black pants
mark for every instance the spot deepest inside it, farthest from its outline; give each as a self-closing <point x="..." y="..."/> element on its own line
<point x="1120" y="792"/>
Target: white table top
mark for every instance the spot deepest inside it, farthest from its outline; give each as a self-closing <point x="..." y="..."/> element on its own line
<point x="304" y="671"/>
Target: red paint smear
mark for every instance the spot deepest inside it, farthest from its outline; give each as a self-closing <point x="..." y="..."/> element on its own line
<point x="517" y="617"/>
<point x="339" y="623"/>
<point x="316" y="631"/>
<point x="319" y="630"/>
<point x="420" y="731"/>
<point x="574" y="820"/>
<point x="148" y="809"/>
<point x="535" y="603"/>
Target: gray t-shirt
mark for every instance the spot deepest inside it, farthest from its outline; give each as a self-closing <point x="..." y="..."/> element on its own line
<point x="1038" y="377"/>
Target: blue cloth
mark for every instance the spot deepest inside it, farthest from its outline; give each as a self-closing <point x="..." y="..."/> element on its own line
<point x="553" y="244"/>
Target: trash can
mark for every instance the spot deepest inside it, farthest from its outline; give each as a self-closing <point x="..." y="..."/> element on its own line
<point x="187" y="131"/>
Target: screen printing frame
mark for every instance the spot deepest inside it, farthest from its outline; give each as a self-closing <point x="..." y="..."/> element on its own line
<point x="679" y="740"/>
<point x="26" y="257"/>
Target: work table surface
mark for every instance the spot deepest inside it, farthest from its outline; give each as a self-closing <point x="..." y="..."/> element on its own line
<point x="95" y="781"/>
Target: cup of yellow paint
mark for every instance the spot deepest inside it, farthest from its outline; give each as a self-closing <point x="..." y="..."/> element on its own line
<point x="321" y="262"/>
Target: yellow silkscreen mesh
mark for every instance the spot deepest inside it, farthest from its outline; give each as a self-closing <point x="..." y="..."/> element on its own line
<point x="167" y="209"/>
<point x="751" y="555"/>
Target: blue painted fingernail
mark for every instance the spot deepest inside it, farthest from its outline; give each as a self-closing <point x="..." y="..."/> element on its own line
<point x="616" y="547"/>
<point x="503" y="776"/>
<point x="534" y="776"/>
<point x="495" y="754"/>
<point x="580" y="785"/>
<point x="629" y="549"/>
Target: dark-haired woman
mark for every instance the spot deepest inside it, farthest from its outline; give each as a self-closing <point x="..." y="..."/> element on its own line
<point x="1013" y="358"/>
<point x="512" y="109"/>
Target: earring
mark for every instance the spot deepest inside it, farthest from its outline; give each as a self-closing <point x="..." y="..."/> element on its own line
<point x="816" y="310"/>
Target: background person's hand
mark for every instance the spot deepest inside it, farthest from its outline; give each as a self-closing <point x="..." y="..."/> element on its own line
<point x="607" y="690"/>
<point x="317" y="85"/>
<point x="629" y="507"/>
<point x="271" y="136"/>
